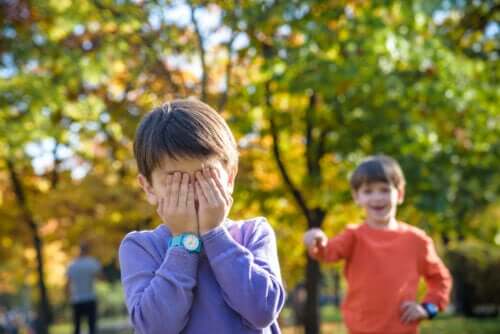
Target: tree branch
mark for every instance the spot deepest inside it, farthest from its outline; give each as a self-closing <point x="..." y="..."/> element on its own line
<point x="310" y="113"/>
<point x="225" y="94"/>
<point x="54" y="177"/>
<point x="322" y="142"/>
<point x="158" y="64"/>
<point x="204" y="75"/>
<point x="277" y="156"/>
<point x="44" y="303"/>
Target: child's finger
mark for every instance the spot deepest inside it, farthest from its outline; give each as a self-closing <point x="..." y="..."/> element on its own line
<point x="405" y="305"/>
<point x="205" y="188"/>
<point x="217" y="192"/>
<point x="313" y="252"/>
<point x="220" y="187"/>
<point x="199" y="191"/>
<point x="183" y="193"/>
<point x="407" y="314"/>
<point x="320" y="241"/>
<point x="168" y="190"/>
<point x="309" y="236"/>
<point x="174" y="193"/>
<point x="190" y="196"/>
<point x="210" y="182"/>
<point x="161" y="206"/>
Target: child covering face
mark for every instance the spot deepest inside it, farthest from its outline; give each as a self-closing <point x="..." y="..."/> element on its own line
<point x="197" y="272"/>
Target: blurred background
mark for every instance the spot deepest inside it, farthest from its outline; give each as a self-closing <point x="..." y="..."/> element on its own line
<point x="309" y="88"/>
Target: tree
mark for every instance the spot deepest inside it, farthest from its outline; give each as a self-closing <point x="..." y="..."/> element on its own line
<point x="308" y="87"/>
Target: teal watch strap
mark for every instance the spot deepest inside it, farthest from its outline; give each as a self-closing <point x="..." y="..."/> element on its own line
<point x="189" y="241"/>
<point x="175" y="241"/>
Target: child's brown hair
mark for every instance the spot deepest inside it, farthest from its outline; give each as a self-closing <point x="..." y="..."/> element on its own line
<point x="184" y="128"/>
<point x="378" y="168"/>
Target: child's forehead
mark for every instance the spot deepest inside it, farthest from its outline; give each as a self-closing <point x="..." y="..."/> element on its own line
<point x="186" y="165"/>
<point x="371" y="184"/>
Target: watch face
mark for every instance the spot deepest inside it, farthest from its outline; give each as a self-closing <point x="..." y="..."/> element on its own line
<point x="191" y="242"/>
<point x="433" y="308"/>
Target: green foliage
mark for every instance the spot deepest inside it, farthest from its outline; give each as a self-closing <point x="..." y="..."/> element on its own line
<point x="111" y="300"/>
<point x="476" y="269"/>
<point x="441" y="325"/>
<point x="414" y="79"/>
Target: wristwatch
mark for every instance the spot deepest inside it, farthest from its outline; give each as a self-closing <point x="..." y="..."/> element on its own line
<point x="189" y="241"/>
<point x="431" y="309"/>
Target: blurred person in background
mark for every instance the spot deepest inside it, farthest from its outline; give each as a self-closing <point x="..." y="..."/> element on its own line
<point x="80" y="288"/>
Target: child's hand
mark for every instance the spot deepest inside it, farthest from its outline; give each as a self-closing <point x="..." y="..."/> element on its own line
<point x="412" y="311"/>
<point x="176" y="208"/>
<point x="214" y="201"/>
<point x="315" y="240"/>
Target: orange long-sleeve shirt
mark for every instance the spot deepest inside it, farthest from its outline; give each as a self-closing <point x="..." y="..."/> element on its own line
<point x="383" y="268"/>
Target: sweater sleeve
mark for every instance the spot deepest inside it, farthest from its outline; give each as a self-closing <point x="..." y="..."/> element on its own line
<point x="339" y="247"/>
<point x="436" y="275"/>
<point x="158" y="295"/>
<point x="249" y="276"/>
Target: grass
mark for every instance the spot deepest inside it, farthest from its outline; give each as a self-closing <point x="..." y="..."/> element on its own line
<point x="112" y="325"/>
<point x="332" y="323"/>
<point x="452" y="325"/>
<point x="443" y="324"/>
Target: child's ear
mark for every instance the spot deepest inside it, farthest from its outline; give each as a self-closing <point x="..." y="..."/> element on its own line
<point x="401" y="195"/>
<point x="148" y="189"/>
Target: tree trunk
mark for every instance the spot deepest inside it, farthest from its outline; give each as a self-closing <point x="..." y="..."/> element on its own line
<point x="44" y="309"/>
<point x="312" y="318"/>
<point x="313" y="276"/>
<point x="314" y="216"/>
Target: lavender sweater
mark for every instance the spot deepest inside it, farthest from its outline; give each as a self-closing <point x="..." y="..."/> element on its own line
<point x="233" y="286"/>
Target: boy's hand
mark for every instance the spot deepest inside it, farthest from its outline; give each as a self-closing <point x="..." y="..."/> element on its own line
<point x="412" y="311"/>
<point x="214" y="201"/>
<point x="315" y="240"/>
<point x="176" y="208"/>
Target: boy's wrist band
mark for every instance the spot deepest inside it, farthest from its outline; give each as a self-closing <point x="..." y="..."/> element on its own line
<point x="431" y="309"/>
<point x="189" y="241"/>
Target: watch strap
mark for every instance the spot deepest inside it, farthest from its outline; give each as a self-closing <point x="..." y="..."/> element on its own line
<point x="178" y="241"/>
<point x="431" y="309"/>
<point x="175" y="241"/>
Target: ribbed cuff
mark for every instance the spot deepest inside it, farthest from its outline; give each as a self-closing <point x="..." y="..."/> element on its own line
<point x="179" y="260"/>
<point x="217" y="241"/>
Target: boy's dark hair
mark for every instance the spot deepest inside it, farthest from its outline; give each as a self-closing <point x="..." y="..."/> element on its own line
<point x="183" y="129"/>
<point x="378" y="168"/>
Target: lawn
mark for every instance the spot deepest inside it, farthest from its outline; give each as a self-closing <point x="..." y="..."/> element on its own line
<point x="450" y="325"/>
<point x="444" y="324"/>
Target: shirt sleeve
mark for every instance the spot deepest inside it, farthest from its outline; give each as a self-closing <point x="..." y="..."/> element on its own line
<point x="158" y="295"/>
<point x="249" y="276"/>
<point x="436" y="275"/>
<point x="97" y="267"/>
<point x="339" y="247"/>
<point x="69" y="271"/>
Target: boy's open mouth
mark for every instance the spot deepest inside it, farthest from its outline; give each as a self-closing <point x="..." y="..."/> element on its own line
<point x="378" y="208"/>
